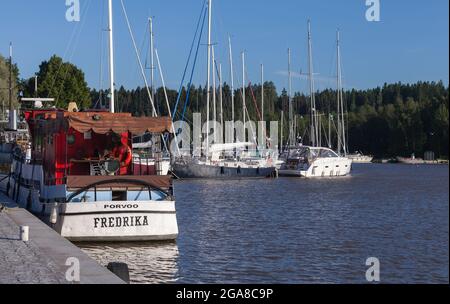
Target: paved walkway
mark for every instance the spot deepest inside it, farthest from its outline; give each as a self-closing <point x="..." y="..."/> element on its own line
<point x="41" y="260"/>
<point x="22" y="262"/>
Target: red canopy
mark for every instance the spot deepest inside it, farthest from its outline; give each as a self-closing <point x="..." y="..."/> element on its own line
<point x="102" y="123"/>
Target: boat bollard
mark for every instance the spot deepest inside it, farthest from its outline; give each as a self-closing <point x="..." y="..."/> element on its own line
<point x="24" y="233"/>
<point x="121" y="270"/>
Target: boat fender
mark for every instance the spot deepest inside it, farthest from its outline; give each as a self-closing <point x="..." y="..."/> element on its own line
<point x="8" y="185"/>
<point x="54" y="214"/>
<point x="28" y="207"/>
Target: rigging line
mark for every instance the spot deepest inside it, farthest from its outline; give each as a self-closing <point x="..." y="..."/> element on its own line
<point x="193" y="68"/>
<point x="325" y="133"/>
<point x="138" y="58"/>
<point x="72" y="37"/>
<point x="251" y="125"/>
<point x="204" y="8"/>
<point x="77" y="39"/>
<point x="167" y="101"/>
<point x="254" y="101"/>
<point x="100" y="97"/>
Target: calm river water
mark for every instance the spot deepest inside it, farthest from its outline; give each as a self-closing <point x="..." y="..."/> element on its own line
<point x="302" y="231"/>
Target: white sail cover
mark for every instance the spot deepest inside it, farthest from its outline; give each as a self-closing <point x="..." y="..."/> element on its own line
<point x="229" y="147"/>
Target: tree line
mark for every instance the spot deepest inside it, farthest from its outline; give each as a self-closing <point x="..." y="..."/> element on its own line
<point x="391" y="120"/>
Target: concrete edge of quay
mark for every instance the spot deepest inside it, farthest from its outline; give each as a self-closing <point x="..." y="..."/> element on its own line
<point x="54" y="247"/>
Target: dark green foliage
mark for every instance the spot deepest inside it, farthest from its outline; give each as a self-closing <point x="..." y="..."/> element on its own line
<point x="397" y="119"/>
<point x="60" y="80"/>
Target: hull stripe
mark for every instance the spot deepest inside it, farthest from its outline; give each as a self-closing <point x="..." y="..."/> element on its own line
<point x="117" y="212"/>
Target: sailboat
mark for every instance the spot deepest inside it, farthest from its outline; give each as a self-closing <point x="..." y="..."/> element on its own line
<point x="83" y="195"/>
<point x="143" y="158"/>
<point x="360" y="158"/>
<point x="222" y="161"/>
<point x="315" y="161"/>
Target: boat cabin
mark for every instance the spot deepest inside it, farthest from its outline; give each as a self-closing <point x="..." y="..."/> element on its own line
<point x="88" y="143"/>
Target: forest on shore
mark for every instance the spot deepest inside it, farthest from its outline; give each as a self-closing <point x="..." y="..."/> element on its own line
<point x="391" y="120"/>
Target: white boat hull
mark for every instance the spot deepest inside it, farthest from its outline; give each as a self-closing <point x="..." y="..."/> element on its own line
<point x="134" y="221"/>
<point x="320" y="168"/>
<point x="108" y="221"/>
<point x="361" y="159"/>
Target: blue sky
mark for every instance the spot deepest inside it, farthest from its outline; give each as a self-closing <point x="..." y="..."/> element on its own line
<point x="409" y="44"/>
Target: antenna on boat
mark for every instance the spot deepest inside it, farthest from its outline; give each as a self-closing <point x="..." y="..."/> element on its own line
<point x="111" y="57"/>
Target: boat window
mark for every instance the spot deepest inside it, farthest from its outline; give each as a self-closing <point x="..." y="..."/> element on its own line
<point x="327" y="153"/>
<point x="119" y="196"/>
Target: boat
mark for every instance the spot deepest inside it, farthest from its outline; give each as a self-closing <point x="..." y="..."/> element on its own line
<point x="146" y="161"/>
<point x="315" y="161"/>
<point x="79" y="175"/>
<point x="310" y="162"/>
<point x="360" y="158"/>
<point x="223" y="165"/>
<point x="222" y="161"/>
<point x="413" y="160"/>
<point x="87" y="197"/>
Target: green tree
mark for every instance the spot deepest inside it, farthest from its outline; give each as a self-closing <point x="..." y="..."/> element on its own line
<point x="4" y="84"/>
<point x="60" y="80"/>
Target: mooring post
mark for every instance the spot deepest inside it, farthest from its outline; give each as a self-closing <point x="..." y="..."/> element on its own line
<point x="24" y="233"/>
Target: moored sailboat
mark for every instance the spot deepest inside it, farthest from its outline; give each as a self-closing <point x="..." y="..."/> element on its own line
<point x="216" y="161"/>
<point x="315" y="161"/>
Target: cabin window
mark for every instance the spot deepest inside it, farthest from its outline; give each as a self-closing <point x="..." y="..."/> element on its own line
<point x="88" y="135"/>
<point x="119" y="196"/>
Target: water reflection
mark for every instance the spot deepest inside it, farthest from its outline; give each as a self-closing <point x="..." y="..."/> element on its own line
<point x="150" y="263"/>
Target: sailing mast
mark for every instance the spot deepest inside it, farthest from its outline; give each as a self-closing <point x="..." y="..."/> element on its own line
<point x="111" y="58"/>
<point x="282" y="129"/>
<point x="314" y="135"/>
<point x="243" y="95"/>
<point x="11" y="114"/>
<point x="263" y="130"/>
<point x="221" y="95"/>
<point x="214" y="69"/>
<point x="291" y="112"/>
<point x="152" y="59"/>
<point x="209" y="74"/>
<point x="232" y="83"/>
<point x="341" y="119"/>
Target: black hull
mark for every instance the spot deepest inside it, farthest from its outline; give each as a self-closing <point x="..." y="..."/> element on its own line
<point x="191" y="170"/>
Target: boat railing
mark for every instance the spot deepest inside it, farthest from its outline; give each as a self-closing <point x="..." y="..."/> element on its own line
<point x="148" y="163"/>
<point x="97" y="186"/>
